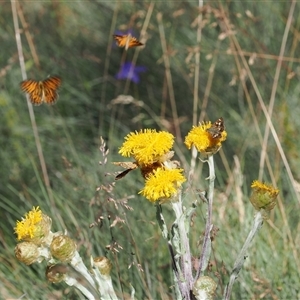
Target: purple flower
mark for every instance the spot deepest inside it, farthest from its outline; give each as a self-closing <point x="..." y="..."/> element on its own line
<point x="131" y="72"/>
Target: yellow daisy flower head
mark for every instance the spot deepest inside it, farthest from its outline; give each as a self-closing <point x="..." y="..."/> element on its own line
<point x="207" y="137"/>
<point x="163" y="184"/>
<point x="263" y="196"/>
<point x="147" y="146"/>
<point x="34" y="227"/>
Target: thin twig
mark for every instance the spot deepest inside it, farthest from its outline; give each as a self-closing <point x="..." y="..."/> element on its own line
<point x="258" y="222"/>
<point x="28" y="36"/>
<point x="106" y="68"/>
<point x="137" y="50"/>
<point x="169" y="77"/>
<point x="196" y="88"/>
<point x="30" y="108"/>
<point x="267" y="116"/>
<point x="274" y="89"/>
<point x="206" y="248"/>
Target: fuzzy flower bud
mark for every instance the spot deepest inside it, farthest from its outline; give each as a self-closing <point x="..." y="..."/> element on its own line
<point x="27" y="253"/>
<point x="263" y="196"/>
<point x="103" y="264"/>
<point x="63" y="248"/>
<point x="204" y="288"/>
<point x="56" y="273"/>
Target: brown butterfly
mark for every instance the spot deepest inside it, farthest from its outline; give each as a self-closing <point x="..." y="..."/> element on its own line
<point x="216" y="129"/>
<point x="127" y="41"/>
<point x="42" y="91"/>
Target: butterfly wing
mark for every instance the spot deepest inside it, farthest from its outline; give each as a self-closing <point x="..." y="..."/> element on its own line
<point x="216" y="129"/>
<point x="120" y="39"/>
<point x="134" y="42"/>
<point x="34" y="89"/>
<point x="50" y="86"/>
<point x="127" y="41"/>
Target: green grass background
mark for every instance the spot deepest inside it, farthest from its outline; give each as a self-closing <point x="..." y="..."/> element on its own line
<point x="238" y="56"/>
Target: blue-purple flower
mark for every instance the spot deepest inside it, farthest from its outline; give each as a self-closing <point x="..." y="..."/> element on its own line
<point x="130" y="71"/>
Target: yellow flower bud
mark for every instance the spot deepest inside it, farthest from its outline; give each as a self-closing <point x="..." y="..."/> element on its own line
<point x="63" y="248"/>
<point x="27" y="253"/>
<point x="263" y="196"/>
<point x="103" y="264"/>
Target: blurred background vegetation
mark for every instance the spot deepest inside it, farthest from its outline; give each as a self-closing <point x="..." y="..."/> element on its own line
<point x="243" y="54"/>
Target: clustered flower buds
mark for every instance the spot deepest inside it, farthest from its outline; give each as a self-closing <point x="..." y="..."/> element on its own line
<point x="59" y="250"/>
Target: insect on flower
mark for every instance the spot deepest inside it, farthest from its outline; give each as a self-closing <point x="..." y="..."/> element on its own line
<point x="42" y="91"/>
<point x="127" y="41"/>
<point x="129" y="166"/>
<point x="216" y="129"/>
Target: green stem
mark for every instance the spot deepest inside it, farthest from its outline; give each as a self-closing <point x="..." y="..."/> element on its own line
<point x="258" y="222"/>
<point x="206" y="248"/>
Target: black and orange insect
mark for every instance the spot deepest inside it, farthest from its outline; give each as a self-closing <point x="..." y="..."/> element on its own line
<point x="42" y="91"/>
<point x="127" y="41"/>
<point x="129" y="166"/>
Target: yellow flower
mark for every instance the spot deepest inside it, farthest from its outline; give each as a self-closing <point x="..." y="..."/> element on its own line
<point x="34" y="228"/>
<point x="203" y="140"/>
<point x="28" y="226"/>
<point x="163" y="184"/>
<point x="263" y="196"/>
<point x="148" y="146"/>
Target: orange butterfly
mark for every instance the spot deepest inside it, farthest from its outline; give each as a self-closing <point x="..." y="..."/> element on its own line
<point x="42" y="91"/>
<point x="127" y="41"/>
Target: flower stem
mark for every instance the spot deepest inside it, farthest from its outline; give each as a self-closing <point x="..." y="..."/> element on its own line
<point x="105" y="285"/>
<point x="80" y="267"/>
<point x="73" y="282"/>
<point x="182" y="225"/>
<point x="258" y="222"/>
<point x="165" y="233"/>
<point x="206" y="248"/>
